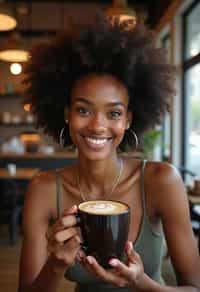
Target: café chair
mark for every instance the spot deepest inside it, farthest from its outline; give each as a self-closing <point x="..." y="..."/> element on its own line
<point x="195" y="220"/>
<point x="11" y="207"/>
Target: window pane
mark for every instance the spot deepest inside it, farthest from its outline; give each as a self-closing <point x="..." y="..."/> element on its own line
<point x="193" y="119"/>
<point x="166" y="138"/>
<point x="166" y="45"/>
<point x="192" y="26"/>
<point x="166" y="127"/>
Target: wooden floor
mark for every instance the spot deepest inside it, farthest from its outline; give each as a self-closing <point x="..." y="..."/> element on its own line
<point x="9" y="262"/>
<point x="9" y="266"/>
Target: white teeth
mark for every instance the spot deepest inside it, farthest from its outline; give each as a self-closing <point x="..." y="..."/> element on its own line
<point x="96" y="141"/>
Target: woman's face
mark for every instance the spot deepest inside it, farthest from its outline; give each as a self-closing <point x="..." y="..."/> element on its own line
<point x="98" y="115"/>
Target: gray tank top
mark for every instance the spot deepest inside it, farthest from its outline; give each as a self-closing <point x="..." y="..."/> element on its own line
<point x="149" y="244"/>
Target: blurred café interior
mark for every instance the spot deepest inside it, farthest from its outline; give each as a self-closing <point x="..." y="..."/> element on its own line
<point x="24" y="149"/>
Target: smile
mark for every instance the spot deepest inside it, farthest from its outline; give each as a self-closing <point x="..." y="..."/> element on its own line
<point x="96" y="142"/>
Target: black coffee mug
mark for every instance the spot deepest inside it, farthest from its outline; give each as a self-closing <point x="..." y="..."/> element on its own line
<point x="104" y="226"/>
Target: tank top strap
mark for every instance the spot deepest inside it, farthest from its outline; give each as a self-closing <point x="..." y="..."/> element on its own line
<point x="58" y="194"/>
<point x="143" y="187"/>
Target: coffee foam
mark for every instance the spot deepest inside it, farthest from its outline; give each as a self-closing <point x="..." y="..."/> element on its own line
<point x="103" y="207"/>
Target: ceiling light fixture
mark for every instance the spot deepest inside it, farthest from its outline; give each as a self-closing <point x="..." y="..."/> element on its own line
<point x="16" y="68"/>
<point x="122" y="12"/>
<point x="13" y="50"/>
<point x="7" y="20"/>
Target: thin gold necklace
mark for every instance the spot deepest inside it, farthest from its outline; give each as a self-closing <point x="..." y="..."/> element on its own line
<point x="115" y="183"/>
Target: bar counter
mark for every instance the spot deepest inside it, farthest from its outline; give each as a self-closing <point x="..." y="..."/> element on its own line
<point x="38" y="160"/>
<point x="39" y="155"/>
<point x="46" y="161"/>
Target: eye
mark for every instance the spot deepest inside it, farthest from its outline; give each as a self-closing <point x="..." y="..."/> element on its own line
<point x="115" y="114"/>
<point x="83" y="111"/>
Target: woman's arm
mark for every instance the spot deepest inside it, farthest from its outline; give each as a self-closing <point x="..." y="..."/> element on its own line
<point x="40" y="270"/>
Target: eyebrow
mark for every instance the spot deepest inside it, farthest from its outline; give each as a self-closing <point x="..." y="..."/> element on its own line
<point x="109" y="104"/>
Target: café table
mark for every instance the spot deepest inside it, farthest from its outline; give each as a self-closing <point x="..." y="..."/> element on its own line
<point x="193" y="196"/>
<point x="21" y="174"/>
<point x="194" y="200"/>
<point x="12" y="190"/>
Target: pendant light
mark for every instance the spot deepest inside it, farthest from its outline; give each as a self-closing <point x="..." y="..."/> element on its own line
<point x="7" y="20"/>
<point x="122" y="12"/>
<point x="13" y="50"/>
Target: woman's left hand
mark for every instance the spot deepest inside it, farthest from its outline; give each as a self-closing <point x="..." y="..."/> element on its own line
<point x="121" y="274"/>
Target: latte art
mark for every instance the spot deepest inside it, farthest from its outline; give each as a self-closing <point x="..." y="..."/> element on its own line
<point x="103" y="207"/>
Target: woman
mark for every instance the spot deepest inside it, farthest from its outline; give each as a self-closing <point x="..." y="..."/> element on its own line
<point x="96" y="90"/>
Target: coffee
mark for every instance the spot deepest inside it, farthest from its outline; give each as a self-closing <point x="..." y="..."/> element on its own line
<point x="103" y="207"/>
<point x="104" y="226"/>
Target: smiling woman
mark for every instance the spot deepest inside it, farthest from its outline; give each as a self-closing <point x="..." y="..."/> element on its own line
<point x="94" y="89"/>
<point x="98" y="115"/>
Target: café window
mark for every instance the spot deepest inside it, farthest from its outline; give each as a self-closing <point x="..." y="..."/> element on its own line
<point x="166" y="126"/>
<point x="191" y="89"/>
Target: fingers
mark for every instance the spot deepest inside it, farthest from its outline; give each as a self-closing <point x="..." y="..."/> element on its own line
<point x="72" y="210"/>
<point x="66" y="253"/>
<point x="63" y="239"/>
<point x="111" y="276"/>
<point x="121" y="268"/>
<point x="131" y="254"/>
<point x="121" y="274"/>
<point x="62" y="231"/>
<point x="68" y="220"/>
<point x="65" y="234"/>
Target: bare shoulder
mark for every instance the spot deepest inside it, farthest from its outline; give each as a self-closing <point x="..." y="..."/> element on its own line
<point x="40" y="194"/>
<point x="161" y="173"/>
<point x="42" y="184"/>
<point x="164" y="186"/>
<point x="43" y="179"/>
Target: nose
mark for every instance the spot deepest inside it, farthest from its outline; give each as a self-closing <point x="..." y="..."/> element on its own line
<point x="98" y="124"/>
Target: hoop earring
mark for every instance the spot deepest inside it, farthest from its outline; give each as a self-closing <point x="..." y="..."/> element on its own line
<point x="61" y="138"/>
<point x="135" y="137"/>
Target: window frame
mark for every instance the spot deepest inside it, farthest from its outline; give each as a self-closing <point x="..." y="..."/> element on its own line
<point x="186" y="65"/>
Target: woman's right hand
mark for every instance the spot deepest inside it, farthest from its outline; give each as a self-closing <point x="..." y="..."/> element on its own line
<point x="63" y="241"/>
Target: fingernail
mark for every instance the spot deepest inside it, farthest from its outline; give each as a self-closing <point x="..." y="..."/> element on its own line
<point x="81" y="254"/>
<point x="113" y="262"/>
<point x="70" y="210"/>
<point x="73" y="208"/>
<point x="89" y="260"/>
<point x="129" y="246"/>
<point x="78" y="257"/>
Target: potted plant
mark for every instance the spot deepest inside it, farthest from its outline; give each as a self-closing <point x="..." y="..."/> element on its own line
<point x="150" y="138"/>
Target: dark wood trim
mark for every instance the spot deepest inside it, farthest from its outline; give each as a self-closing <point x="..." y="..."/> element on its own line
<point x="32" y="33"/>
<point x="191" y="62"/>
<point x="187" y="64"/>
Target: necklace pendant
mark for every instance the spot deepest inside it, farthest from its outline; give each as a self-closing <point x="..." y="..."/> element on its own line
<point x="114" y="185"/>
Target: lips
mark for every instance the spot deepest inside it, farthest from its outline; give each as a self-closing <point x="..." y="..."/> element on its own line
<point x="96" y="143"/>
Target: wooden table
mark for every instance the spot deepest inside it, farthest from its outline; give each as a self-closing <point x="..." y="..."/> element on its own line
<point x="21" y="173"/>
<point x="194" y="199"/>
<point x="13" y="189"/>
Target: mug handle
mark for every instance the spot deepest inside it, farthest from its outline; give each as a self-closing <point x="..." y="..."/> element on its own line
<point x="78" y="219"/>
<point x="78" y="224"/>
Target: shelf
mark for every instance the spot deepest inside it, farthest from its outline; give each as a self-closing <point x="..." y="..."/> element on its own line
<point x="17" y="125"/>
<point x="11" y="95"/>
<point x="35" y="155"/>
